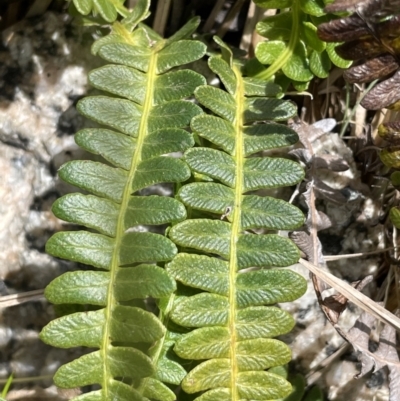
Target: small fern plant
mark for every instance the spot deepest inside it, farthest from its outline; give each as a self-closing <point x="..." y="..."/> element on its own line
<point x="147" y="117"/>
<point x="232" y="324"/>
<point x="293" y="51"/>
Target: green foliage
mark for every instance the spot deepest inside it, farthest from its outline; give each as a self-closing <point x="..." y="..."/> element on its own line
<point x="107" y="9"/>
<point x="221" y="318"/>
<point x="299" y="385"/>
<point x="6" y="387"/>
<point x="233" y="325"/>
<point x="394" y="215"/>
<point x="147" y="116"/>
<point x="293" y="47"/>
<point x="315" y="394"/>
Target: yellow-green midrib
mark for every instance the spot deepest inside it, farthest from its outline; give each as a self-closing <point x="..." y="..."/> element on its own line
<point x="120" y="230"/>
<point x="235" y="229"/>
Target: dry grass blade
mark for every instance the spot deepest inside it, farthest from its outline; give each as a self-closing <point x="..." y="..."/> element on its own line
<point x="330" y="258"/>
<point x="213" y="15"/>
<point x="354" y="296"/>
<point x="249" y="27"/>
<point x="223" y="29"/>
<point x="160" y="20"/>
<point x="17" y="299"/>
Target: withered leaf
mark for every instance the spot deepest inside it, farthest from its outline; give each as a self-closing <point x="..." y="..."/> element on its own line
<point x="326" y="124"/>
<point x="328" y="193"/>
<point x="385" y="355"/>
<point x="387" y="345"/>
<point x="308" y="196"/>
<point x="359" y="49"/>
<point x="304" y="242"/>
<point x="322" y="221"/>
<point x="378" y="67"/>
<point x="352" y="5"/>
<point x="334" y="305"/>
<point x="390" y="28"/>
<point x="374" y="9"/>
<point x="368" y="36"/>
<point x="384" y="94"/>
<point x="315" y="220"/>
<point x="373" y="40"/>
<point x="301" y="155"/>
<point x="307" y="133"/>
<point x="331" y="162"/>
<point x="358" y="337"/>
<point x="343" y="29"/>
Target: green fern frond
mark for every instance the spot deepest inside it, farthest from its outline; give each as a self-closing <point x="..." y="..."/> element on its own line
<point x="110" y="9"/>
<point x="293" y="46"/>
<point x="233" y="325"/>
<point x="147" y="116"/>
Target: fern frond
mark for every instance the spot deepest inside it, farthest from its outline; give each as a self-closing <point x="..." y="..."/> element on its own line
<point x="110" y="9"/>
<point x="233" y="325"/>
<point x="293" y="46"/>
<point x="147" y="116"/>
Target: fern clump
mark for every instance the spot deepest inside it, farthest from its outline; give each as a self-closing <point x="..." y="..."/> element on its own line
<point x="146" y="115"/>
<point x="233" y="325"/>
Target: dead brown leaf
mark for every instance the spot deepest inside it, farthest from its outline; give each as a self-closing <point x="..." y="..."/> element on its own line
<point x="376" y="68"/>
<point x="386" y="354"/>
<point x="331" y="162"/>
<point x="384" y="94"/>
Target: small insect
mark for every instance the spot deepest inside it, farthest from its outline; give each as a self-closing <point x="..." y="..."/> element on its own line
<point x="227" y="212"/>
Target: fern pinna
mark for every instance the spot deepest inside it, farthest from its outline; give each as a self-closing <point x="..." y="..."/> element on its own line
<point x="146" y="115"/>
<point x="232" y="324"/>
